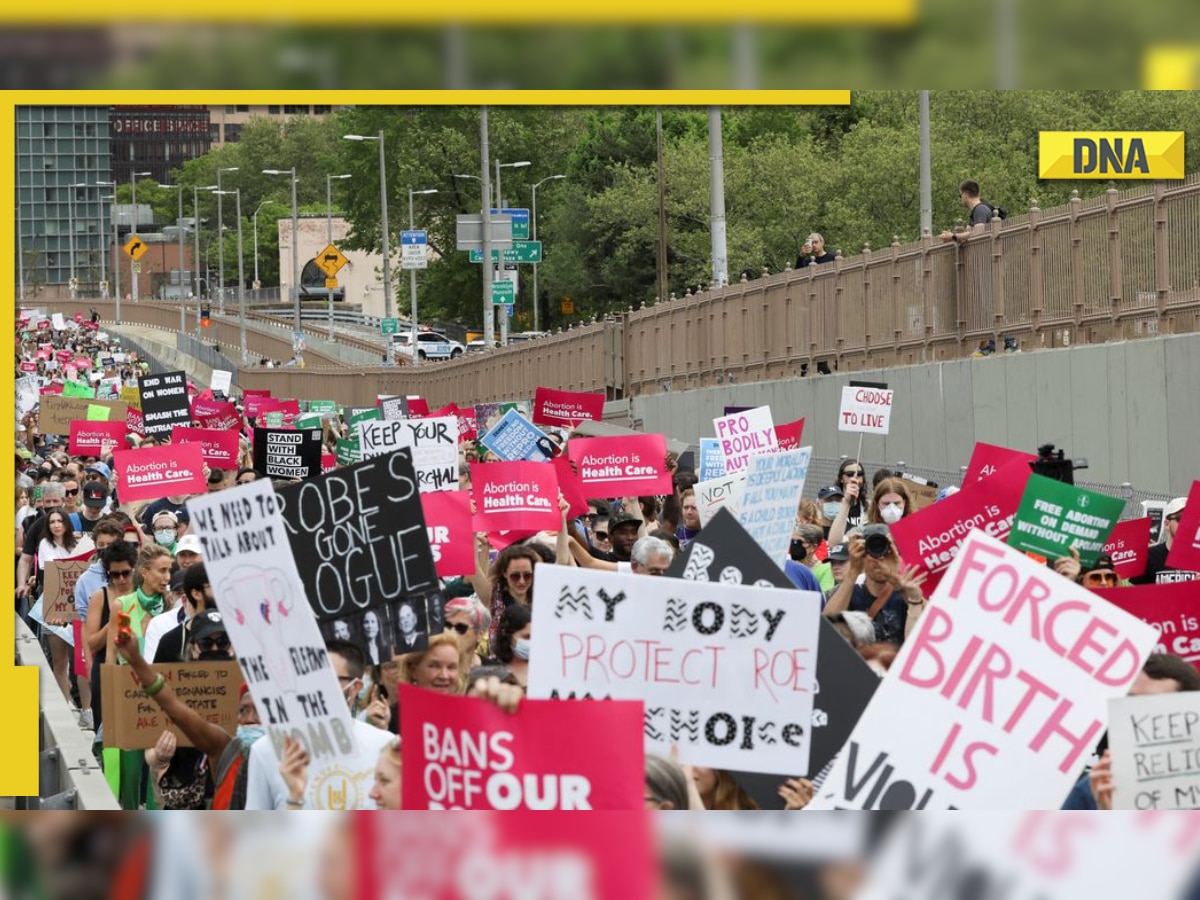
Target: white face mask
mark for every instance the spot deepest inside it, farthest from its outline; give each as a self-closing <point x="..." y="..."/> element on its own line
<point x="165" y="537"/>
<point x="892" y="513"/>
<point x="831" y="510"/>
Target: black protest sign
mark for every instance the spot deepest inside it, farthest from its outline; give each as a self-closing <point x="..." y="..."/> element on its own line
<point x="394" y="408"/>
<point x="724" y="552"/>
<point x="359" y="538"/>
<point x="165" y="402"/>
<point x="287" y="452"/>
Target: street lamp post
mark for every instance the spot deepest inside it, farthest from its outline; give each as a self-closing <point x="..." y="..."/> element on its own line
<point x="133" y="266"/>
<point x="383" y="221"/>
<point x="412" y="273"/>
<point x="329" y="233"/>
<point x="104" y="236"/>
<point x="221" y="245"/>
<point x="499" y="264"/>
<point x="237" y="193"/>
<point x="533" y="236"/>
<point x="196" y="189"/>
<point x="298" y="331"/>
<point x="254" y="228"/>
<point x="179" y="224"/>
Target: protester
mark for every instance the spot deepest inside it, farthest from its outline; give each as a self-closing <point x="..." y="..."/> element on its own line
<point x="167" y="642"/>
<point x="806" y="541"/>
<point x="690" y="526"/>
<point x="509" y="580"/>
<point x="120" y="561"/>
<point x="891" y="592"/>
<point x="469" y="619"/>
<point x="720" y="790"/>
<point x="651" y="556"/>
<point x="511" y="647"/>
<point x="851" y="512"/>
<point x="1157" y="571"/>
<point x="58" y="544"/>
<point x="890" y="502"/>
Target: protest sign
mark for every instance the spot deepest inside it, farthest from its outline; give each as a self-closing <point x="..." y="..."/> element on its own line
<point x="1155" y="745"/>
<point x="28" y="366"/>
<point x="725" y="554"/>
<point x="363" y="414"/>
<point x="1025" y="855"/>
<point x="79" y="663"/>
<point x="712" y="460"/>
<point x="1154" y="510"/>
<point x="133" y="421"/>
<point x="150" y="473"/>
<point x="745" y="434"/>
<point x="272" y="419"/>
<point x="53" y="387"/>
<point x="930" y="539"/>
<point x="470" y="754"/>
<point x="221" y="382"/>
<point x="1055" y="517"/>
<point x="487" y="415"/>
<point x="719" y="493"/>
<point x="27" y="396"/>
<point x="451" y="539"/>
<point x="988" y="459"/>
<point x="348" y="452"/>
<point x="567" y="857"/>
<point x="865" y="410"/>
<point x="1185" y="549"/>
<point x="274" y="633"/>
<point x="1129" y="547"/>
<point x="465" y="417"/>
<point x="132" y="721"/>
<point x="1009" y="672"/>
<point x="433" y="442"/>
<point x="59" y="585"/>
<point x="726" y="671"/>
<point x="923" y="494"/>
<point x="393" y="408"/>
<point x="216" y="415"/>
<point x="78" y="389"/>
<point x="86" y="438"/>
<point x="515" y="438"/>
<point x="319" y="406"/>
<point x="622" y="467"/>
<point x="281" y="412"/>
<point x="570" y="487"/>
<point x="358" y="536"/>
<point x="1170" y="609"/>
<point x="164" y="402"/>
<point x="109" y="388"/>
<point x="130" y="395"/>
<point x="517" y="496"/>
<point x="62" y="356"/>
<point x="417" y="406"/>
<point x="307" y="420"/>
<point x="567" y="408"/>
<point x="770" y="497"/>
<point x="220" y="448"/>
<point x="287" y="453"/>
<point x="788" y="435"/>
<point x="251" y="399"/>
<point x="57" y="319"/>
<point x="328" y="461"/>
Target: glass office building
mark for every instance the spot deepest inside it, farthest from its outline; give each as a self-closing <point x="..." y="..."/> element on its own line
<point x="62" y="152"/>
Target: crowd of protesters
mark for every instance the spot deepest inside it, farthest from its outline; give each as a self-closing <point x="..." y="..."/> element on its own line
<point x="145" y="598"/>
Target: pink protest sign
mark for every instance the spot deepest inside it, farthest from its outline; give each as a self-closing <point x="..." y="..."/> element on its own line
<point x="625" y="466"/>
<point x="1185" y="550"/>
<point x="1129" y="547"/>
<point x="550" y="754"/>
<point x="569" y="408"/>
<point x="88" y="438"/>
<point x="988" y="459"/>
<point x="220" y="447"/>
<point x="518" y="496"/>
<point x="150" y="473"/>
<point x="448" y="521"/>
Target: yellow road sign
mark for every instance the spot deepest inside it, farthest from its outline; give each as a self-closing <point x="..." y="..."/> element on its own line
<point x="331" y="283"/>
<point x="567" y="306"/>
<point x="135" y="247"/>
<point x="330" y="260"/>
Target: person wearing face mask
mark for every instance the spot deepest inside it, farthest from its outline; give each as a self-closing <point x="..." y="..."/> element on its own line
<point x="512" y="642"/>
<point x="796" y="568"/>
<point x="829" y="502"/>
<point x="230" y="753"/>
<point x="890" y="503"/>
<point x="806" y="539"/>
<point x="165" y="530"/>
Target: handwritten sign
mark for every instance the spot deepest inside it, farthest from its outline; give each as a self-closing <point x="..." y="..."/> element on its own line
<point x="621" y="466"/>
<point x="132" y="721"/>
<point x="1155" y="744"/>
<point x="434" y="445"/>
<point x="57" y="412"/>
<point x="150" y="473"/>
<point x="1009" y="672"/>
<point x="568" y="408"/>
<point x="719" y="493"/>
<point x="726" y="671"/>
<point x="865" y="410"/>
<point x="59" y="586"/>
<point x="745" y="434"/>
<point x="470" y="754"/>
<point x="770" y="497"/>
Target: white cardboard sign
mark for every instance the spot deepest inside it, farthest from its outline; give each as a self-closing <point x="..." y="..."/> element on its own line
<point x="1155" y="744"/>
<point x="865" y="409"/>
<point x="743" y="435"/>
<point x="434" y="445"/>
<point x="774" y="483"/>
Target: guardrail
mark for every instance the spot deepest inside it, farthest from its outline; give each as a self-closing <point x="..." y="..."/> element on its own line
<point x="68" y="775"/>
<point x="206" y="354"/>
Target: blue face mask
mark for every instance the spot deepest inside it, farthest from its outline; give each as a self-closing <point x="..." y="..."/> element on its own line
<point x="521" y="648"/>
<point x="248" y="734"/>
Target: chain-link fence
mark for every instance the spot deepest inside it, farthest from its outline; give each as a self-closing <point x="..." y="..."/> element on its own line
<point x="823" y="472"/>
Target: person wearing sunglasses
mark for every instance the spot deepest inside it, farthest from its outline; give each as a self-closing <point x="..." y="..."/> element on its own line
<point x="851" y="479"/>
<point x="509" y="580"/>
<point x="1157" y="570"/>
<point x="468" y="619"/>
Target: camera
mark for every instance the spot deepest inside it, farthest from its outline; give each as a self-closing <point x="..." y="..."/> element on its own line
<point x="877" y="542"/>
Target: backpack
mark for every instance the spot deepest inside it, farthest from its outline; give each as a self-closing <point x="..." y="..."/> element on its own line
<point x="996" y="210"/>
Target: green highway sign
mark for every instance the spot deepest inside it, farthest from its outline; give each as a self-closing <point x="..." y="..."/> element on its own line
<point x="389" y="326"/>
<point x="520" y="252"/>
<point x="503" y="292"/>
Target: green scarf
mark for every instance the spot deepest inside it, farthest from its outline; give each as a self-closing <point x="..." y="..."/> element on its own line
<point x="151" y="604"/>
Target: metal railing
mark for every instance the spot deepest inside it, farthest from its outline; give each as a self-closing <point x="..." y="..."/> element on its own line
<point x="68" y="775"/>
<point x="206" y="354"/>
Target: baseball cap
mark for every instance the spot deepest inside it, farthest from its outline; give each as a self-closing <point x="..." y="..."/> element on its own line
<point x="1175" y="506"/>
<point x="832" y="491"/>
<point x="1103" y="561"/>
<point x="100" y="469"/>
<point x="94" y="495"/>
<point x="839" y="552"/>
<point x="189" y="543"/>
<point x="177" y="581"/>
<point x="206" y="624"/>
<point x="621" y="518"/>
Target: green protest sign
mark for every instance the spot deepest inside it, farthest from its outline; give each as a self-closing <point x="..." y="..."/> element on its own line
<point x="320" y="406"/>
<point x="348" y="452"/>
<point x="1054" y="517"/>
<point x="275" y="420"/>
<point x="97" y="413"/>
<point x="305" y="420"/>
<point x="365" y="415"/>
<point x="78" y="389"/>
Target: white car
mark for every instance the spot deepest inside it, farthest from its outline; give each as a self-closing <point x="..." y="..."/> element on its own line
<point x="430" y="345"/>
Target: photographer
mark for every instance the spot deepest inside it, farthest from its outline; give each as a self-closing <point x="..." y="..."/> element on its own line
<point x="890" y="593"/>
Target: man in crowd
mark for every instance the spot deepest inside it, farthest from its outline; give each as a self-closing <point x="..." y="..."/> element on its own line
<point x="623" y="530"/>
<point x="95" y="498"/>
<point x="690" y="526"/>
<point x="1157" y="571"/>
<point x="188" y="551"/>
<point x="651" y="556"/>
<point x="890" y="594"/>
<point x="980" y="214"/>
<point x="53" y="496"/>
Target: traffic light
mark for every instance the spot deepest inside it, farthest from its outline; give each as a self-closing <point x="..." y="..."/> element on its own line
<point x="205" y="317"/>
